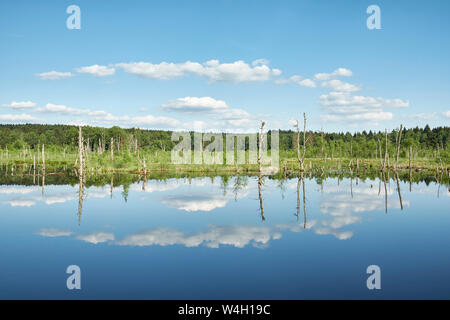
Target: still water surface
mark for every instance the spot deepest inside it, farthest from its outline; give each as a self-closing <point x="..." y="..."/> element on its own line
<point x="226" y="238"/>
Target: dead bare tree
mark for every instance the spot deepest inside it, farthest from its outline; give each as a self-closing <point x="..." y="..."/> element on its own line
<point x="386" y="155"/>
<point x="301" y="157"/>
<point x="399" y="138"/>
<point x="381" y="154"/>
<point x="261" y="207"/>
<point x="260" y="145"/>
<point x="81" y="152"/>
<point x="111" y="148"/>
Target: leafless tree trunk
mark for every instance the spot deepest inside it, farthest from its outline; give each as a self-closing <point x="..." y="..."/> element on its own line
<point x="385" y="151"/>
<point x="43" y="159"/>
<point x="301" y="158"/>
<point x="399" y="138"/>
<point x="260" y="145"/>
<point x="80" y="152"/>
<point x="351" y="153"/>
<point x="381" y="154"/>
<point x="261" y="208"/>
<point x="111" y="148"/>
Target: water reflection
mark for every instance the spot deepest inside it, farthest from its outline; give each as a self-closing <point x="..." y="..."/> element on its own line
<point x="341" y="205"/>
<point x="226" y="232"/>
<point x="261" y="207"/>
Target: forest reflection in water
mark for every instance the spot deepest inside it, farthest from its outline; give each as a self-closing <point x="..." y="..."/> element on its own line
<point x="341" y="195"/>
<point x="141" y="229"/>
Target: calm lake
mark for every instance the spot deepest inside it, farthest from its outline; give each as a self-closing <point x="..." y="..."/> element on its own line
<point x="234" y="237"/>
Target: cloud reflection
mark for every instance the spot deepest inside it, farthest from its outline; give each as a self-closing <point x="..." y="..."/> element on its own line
<point x="237" y="236"/>
<point x="54" y="232"/>
<point x="96" y="237"/>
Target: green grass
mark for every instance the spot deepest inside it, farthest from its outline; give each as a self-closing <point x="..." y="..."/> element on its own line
<point x="60" y="161"/>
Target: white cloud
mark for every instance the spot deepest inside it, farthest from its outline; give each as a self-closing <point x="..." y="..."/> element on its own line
<point x="345" y="99"/>
<point x="157" y="186"/>
<point x="17" y="190"/>
<point x="54" y="75"/>
<point x="307" y="83"/>
<point x="20" y="105"/>
<point x="340" y="211"/>
<point x="20" y="203"/>
<point x="297" y="80"/>
<point x="237" y="236"/>
<point x="327" y="77"/>
<point x="17" y="118"/>
<point x="96" y="70"/>
<point x="366" y="117"/>
<point x="61" y="109"/>
<point x="340" y="72"/>
<point x="54" y="232"/>
<point x="447" y="114"/>
<point x="103" y="117"/>
<point x="217" y="109"/>
<point x="341" y="235"/>
<point x="342" y="106"/>
<point x="237" y="71"/>
<point x="97" y="237"/>
<point x="147" y="120"/>
<point x="195" y="202"/>
<point x="195" y="104"/>
<point x="338" y="85"/>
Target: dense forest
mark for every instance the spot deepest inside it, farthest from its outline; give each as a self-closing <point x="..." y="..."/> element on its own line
<point x="424" y="142"/>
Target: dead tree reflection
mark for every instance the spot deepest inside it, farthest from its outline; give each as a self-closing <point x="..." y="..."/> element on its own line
<point x="261" y="207"/>
<point x="385" y="193"/>
<point x="351" y="182"/>
<point x="81" y="196"/>
<point x="398" y="190"/>
<point x="301" y="181"/>
<point x="111" y="185"/>
<point x="240" y="183"/>
<point x="81" y="173"/>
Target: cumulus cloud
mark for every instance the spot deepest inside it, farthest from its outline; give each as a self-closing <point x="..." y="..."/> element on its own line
<point x="61" y="109"/>
<point x="195" y="202"/>
<point x="157" y="186"/>
<point x="17" y="190"/>
<point x="339" y="72"/>
<point x="96" y="70"/>
<point x="341" y="235"/>
<point x="372" y="117"/>
<point x="20" y="203"/>
<point x="447" y="114"/>
<point x="342" y="106"/>
<point x="327" y="79"/>
<point x="297" y="80"/>
<point x="217" y="109"/>
<point x="96" y="237"/>
<point x="338" y="85"/>
<point x="341" y="210"/>
<point x="20" y="105"/>
<point x="54" y="232"/>
<point x="344" y="99"/>
<point x="54" y="75"/>
<point x="17" y="118"/>
<point x="103" y="117"/>
<point x="195" y="104"/>
<point x="237" y="236"/>
<point x="238" y="71"/>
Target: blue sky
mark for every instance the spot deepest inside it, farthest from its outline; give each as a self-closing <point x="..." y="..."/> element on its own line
<point x="226" y="65"/>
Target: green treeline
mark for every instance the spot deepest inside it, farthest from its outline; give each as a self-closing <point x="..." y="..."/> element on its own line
<point x="424" y="142"/>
